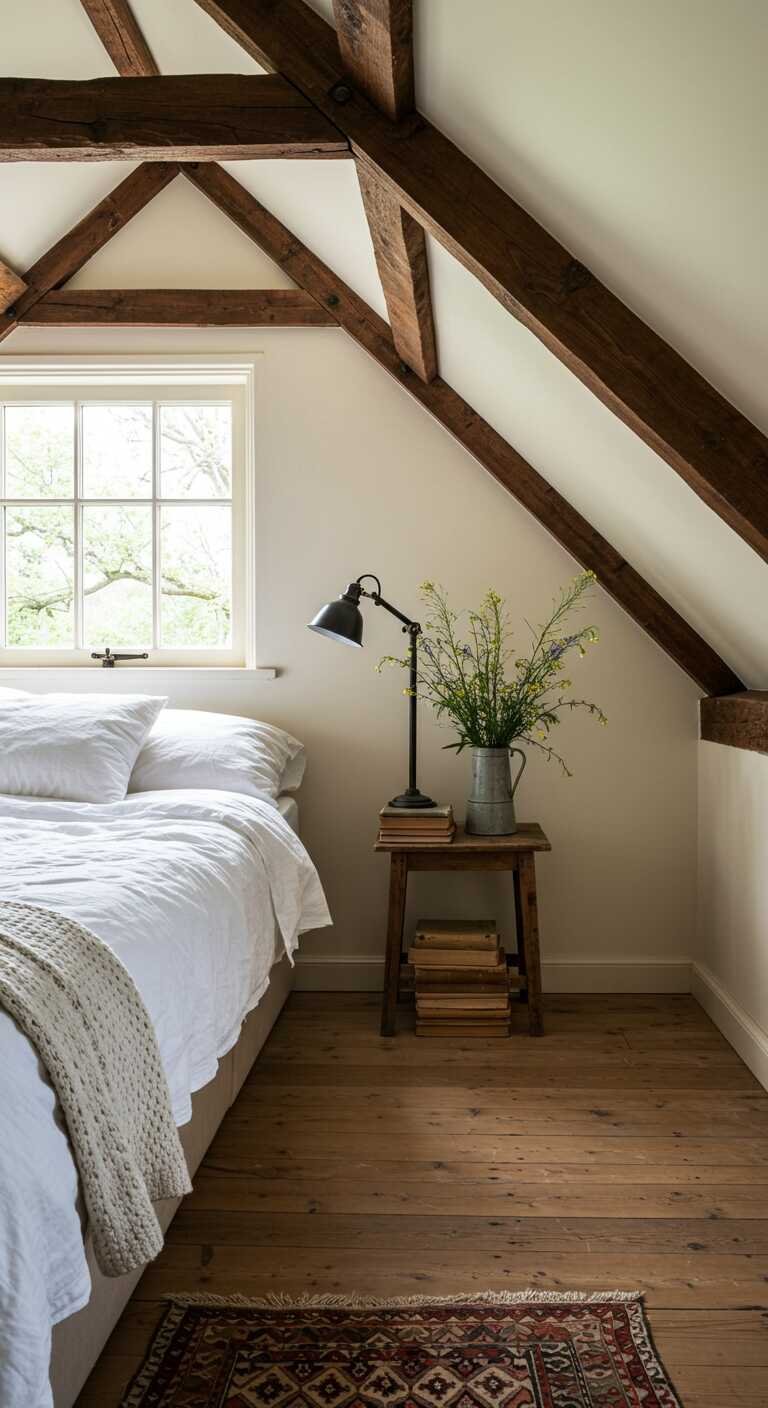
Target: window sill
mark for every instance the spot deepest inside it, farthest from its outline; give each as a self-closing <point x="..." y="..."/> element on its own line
<point x="135" y="674"/>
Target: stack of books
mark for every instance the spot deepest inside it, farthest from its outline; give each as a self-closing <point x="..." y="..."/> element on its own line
<point x="423" y="826"/>
<point x="461" y="978"/>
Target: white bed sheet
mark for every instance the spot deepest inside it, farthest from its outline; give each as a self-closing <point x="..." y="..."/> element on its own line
<point x="189" y="888"/>
<point x="288" y="808"/>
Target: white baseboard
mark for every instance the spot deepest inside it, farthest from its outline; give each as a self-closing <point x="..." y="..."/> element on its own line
<point x="622" y="975"/>
<point x="352" y="973"/>
<point x="339" y="974"/>
<point x="744" y="1034"/>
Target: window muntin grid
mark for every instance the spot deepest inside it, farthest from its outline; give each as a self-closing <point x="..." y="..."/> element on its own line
<point x="158" y="507"/>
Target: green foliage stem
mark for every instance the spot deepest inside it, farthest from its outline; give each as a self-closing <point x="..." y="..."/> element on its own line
<point x="468" y="672"/>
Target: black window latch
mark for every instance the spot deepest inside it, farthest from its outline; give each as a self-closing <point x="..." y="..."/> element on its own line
<point x="108" y="659"/>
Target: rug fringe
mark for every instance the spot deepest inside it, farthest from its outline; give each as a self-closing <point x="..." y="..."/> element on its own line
<point x="278" y="1301"/>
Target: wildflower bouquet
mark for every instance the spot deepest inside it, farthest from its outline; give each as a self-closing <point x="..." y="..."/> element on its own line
<point x="465" y="674"/>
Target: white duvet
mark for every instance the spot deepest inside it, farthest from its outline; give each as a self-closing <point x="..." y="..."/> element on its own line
<point x="189" y="888"/>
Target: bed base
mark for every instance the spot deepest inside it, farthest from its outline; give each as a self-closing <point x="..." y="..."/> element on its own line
<point x="79" y="1340"/>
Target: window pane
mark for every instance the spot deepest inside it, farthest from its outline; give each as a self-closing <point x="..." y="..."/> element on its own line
<point x="40" y="451"/>
<point x="196" y="605"/>
<point x="39" y="576"/>
<point x="195" y="452"/>
<point x="117" y="452"/>
<point x="117" y="576"/>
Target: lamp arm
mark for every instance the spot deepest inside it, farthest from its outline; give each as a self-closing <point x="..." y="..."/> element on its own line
<point x="408" y="625"/>
<point x="378" y="600"/>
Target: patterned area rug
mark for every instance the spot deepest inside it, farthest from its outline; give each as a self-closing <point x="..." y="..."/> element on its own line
<point x="521" y="1350"/>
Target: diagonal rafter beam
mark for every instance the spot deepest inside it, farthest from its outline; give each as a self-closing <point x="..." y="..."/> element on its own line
<point x="62" y="261"/>
<point x="120" y="33"/>
<point x="11" y="287"/>
<point x="649" y="386"/>
<point x="565" y="524"/>
<point x="187" y="117"/>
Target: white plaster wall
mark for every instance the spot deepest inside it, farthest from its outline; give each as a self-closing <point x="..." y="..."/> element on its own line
<point x="731" y="974"/>
<point x="353" y="476"/>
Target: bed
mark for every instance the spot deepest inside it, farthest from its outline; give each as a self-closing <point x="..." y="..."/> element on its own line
<point x="202" y="893"/>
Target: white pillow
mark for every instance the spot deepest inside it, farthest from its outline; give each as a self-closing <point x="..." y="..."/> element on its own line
<point x="76" y="747"/>
<point x="190" y="748"/>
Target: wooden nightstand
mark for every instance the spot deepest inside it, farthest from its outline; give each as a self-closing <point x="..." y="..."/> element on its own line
<point x="515" y="853"/>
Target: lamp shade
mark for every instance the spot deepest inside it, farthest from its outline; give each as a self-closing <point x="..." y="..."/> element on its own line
<point x="341" y="620"/>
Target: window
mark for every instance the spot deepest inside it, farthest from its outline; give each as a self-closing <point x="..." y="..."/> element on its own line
<point x="122" y="523"/>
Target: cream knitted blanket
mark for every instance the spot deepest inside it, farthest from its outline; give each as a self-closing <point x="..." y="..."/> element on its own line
<point x="80" y="1008"/>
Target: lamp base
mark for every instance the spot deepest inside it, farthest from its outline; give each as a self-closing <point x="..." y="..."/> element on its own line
<point x="412" y="799"/>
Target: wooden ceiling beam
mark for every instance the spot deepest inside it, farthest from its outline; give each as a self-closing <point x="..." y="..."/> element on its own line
<point x="11" y="287"/>
<point x="62" y="261"/>
<point x="489" y="448"/>
<point x="376" y="43"/>
<point x="123" y="40"/>
<point x="376" y="38"/>
<point x="400" y="247"/>
<point x="738" y="720"/>
<point x="120" y="33"/>
<point x="178" y="308"/>
<point x="191" y="117"/>
<point x="649" y="386"/>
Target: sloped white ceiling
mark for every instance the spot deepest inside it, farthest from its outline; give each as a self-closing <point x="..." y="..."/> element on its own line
<point x="641" y="506"/>
<point x="637" y="133"/>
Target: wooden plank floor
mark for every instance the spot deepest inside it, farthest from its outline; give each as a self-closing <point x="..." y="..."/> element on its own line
<point x="627" y="1148"/>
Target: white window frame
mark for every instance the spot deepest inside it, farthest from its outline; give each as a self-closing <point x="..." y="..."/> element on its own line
<point x="166" y="379"/>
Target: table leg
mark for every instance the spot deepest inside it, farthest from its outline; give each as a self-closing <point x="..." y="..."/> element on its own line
<point x="530" y="941"/>
<point x="398" y="883"/>
<point x="523" y="995"/>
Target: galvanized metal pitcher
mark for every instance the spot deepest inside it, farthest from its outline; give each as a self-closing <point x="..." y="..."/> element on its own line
<point x="491" y="805"/>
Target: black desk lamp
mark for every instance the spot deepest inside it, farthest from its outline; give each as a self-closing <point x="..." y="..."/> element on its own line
<point x="342" y="620"/>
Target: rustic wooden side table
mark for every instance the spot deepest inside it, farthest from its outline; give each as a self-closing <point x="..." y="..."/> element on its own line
<point x="515" y="853"/>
